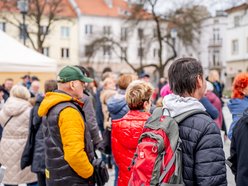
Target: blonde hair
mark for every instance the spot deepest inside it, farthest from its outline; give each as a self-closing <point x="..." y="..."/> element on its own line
<point x="20" y="91"/>
<point x="137" y="93"/>
<point x="108" y="82"/>
<point x="214" y="76"/>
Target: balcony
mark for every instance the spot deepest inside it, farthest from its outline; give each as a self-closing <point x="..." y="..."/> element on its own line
<point x="215" y="43"/>
<point x="215" y="65"/>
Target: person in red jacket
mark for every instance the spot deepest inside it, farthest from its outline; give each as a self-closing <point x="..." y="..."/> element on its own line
<point x="127" y="130"/>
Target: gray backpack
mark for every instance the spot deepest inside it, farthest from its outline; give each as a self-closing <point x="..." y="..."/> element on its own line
<point x="158" y="156"/>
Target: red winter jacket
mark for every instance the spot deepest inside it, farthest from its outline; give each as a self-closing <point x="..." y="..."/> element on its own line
<point x="125" y="135"/>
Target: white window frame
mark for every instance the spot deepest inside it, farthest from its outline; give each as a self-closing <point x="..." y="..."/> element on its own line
<point x="65" y="53"/>
<point x="65" y="32"/>
<point x="45" y="51"/>
<point x="88" y="29"/>
<point x="235" y="46"/>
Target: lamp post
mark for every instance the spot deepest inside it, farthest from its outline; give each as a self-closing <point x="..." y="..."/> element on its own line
<point x="23" y="7"/>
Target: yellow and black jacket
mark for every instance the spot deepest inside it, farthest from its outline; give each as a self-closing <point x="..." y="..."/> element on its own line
<point x="68" y="149"/>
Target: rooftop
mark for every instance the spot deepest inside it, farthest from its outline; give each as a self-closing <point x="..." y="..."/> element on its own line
<point x="241" y="7"/>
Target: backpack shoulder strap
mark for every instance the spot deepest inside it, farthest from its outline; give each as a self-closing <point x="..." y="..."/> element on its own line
<point x="189" y="113"/>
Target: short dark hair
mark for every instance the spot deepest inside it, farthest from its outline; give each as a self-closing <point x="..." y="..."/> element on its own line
<point x="83" y="70"/>
<point x="183" y="74"/>
<point x="50" y="85"/>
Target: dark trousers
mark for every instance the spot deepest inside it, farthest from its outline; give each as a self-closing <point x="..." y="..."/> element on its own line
<point x="41" y="179"/>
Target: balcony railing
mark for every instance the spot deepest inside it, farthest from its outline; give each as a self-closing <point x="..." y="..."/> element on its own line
<point x="217" y="65"/>
<point x="215" y="43"/>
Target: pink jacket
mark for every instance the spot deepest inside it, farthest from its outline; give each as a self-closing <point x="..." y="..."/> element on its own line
<point x="217" y="104"/>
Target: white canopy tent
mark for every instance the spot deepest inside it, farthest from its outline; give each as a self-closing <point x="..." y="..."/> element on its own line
<point x="15" y="57"/>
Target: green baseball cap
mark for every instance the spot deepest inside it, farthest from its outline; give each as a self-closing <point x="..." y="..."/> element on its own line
<point x="71" y="73"/>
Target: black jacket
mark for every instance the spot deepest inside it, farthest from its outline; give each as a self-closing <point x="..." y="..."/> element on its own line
<point x="239" y="151"/>
<point x="38" y="163"/>
<point x="5" y="95"/>
<point x="203" y="155"/>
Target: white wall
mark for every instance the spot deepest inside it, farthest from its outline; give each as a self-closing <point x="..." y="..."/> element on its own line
<point x="116" y="23"/>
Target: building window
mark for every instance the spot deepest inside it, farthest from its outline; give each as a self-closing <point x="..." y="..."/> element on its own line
<point x="235" y="46"/>
<point x="124" y="33"/>
<point x="45" y="51"/>
<point x="106" y="30"/>
<point x="216" y="34"/>
<point x="88" y="50"/>
<point x="3" y="26"/>
<point x="23" y="31"/>
<point x="107" y="50"/>
<point x="236" y="21"/>
<point x="88" y="29"/>
<point x="155" y="33"/>
<point x="216" y="21"/>
<point x="44" y="30"/>
<point x="140" y="33"/>
<point x="155" y="53"/>
<point x="65" y="53"/>
<point x="65" y="32"/>
<point x="216" y="58"/>
<point x="140" y="52"/>
<point x="123" y="52"/>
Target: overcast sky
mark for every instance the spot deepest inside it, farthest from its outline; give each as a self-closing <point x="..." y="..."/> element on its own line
<point x="212" y="5"/>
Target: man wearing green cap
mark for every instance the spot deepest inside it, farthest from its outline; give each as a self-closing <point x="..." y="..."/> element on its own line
<point x="69" y="151"/>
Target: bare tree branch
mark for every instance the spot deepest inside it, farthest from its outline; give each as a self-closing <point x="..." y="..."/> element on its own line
<point x="40" y="13"/>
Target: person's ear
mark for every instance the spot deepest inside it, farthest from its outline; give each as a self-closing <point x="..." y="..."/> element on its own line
<point x="147" y="105"/>
<point x="199" y="81"/>
<point x="72" y="85"/>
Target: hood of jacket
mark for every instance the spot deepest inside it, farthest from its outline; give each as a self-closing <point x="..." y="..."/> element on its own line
<point x="237" y="106"/>
<point x="15" y="106"/>
<point x="116" y="103"/>
<point x="176" y="105"/>
<point x="53" y="98"/>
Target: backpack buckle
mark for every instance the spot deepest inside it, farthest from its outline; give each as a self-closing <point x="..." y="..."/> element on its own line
<point x="162" y="118"/>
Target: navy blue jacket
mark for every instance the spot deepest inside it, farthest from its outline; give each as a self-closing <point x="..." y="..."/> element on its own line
<point x="117" y="106"/>
<point x="236" y="107"/>
<point x="210" y="109"/>
<point x="203" y="155"/>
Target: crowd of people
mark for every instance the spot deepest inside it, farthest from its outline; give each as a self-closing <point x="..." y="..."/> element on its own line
<point x="76" y="115"/>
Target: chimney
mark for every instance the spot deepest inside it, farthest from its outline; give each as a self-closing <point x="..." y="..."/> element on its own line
<point x="109" y="3"/>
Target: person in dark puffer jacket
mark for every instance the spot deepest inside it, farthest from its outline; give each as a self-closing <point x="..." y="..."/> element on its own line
<point x="239" y="150"/>
<point x="203" y="156"/>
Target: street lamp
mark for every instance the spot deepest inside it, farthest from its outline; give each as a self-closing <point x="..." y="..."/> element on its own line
<point x="173" y="34"/>
<point x="23" y="7"/>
